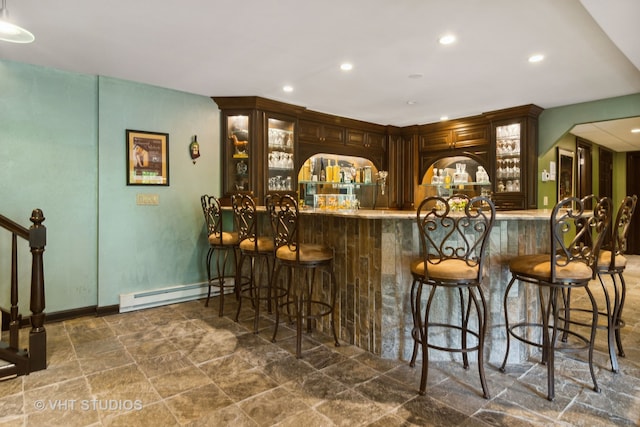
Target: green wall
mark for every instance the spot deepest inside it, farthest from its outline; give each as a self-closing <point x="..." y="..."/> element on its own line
<point x="62" y="149"/>
<point x="554" y="125"/>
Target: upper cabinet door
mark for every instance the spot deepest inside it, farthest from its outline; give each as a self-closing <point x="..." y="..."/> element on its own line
<point x="321" y="132"/>
<point x="281" y="152"/>
<point x="238" y="152"/>
<point x="508" y="153"/>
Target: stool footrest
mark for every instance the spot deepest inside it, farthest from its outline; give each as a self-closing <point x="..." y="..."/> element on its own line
<point x="416" y="336"/>
<point x="559" y="331"/>
<point x="617" y="325"/>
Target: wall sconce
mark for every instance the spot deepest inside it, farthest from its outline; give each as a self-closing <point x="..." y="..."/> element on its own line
<point x="194" y="149"/>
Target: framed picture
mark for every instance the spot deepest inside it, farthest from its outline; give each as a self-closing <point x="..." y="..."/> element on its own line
<point x="565" y="174"/>
<point x="147" y="158"/>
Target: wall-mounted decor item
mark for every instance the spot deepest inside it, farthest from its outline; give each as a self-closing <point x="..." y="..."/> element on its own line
<point x="147" y="158"/>
<point x="194" y="149"/>
<point x="565" y="174"/>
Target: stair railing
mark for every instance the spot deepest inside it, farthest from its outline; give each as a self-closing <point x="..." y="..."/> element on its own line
<point x="35" y="358"/>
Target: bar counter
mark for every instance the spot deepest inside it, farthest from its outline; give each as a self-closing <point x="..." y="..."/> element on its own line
<point x="374" y="249"/>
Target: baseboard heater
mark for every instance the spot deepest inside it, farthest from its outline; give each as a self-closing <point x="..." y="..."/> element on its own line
<point x="165" y="296"/>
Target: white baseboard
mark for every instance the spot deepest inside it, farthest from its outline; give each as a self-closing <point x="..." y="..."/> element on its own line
<point x="165" y="296"/>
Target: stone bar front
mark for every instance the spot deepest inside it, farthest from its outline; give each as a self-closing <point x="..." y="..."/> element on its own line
<point x="374" y="249"/>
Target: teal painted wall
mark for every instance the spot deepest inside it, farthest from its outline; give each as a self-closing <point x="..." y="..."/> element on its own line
<point x="48" y="160"/>
<point x="149" y="247"/>
<point x="62" y="149"/>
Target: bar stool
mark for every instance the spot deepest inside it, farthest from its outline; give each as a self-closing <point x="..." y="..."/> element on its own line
<point x="221" y="243"/>
<point x="453" y="247"/>
<point x="259" y="250"/>
<point x="576" y="234"/>
<point x="612" y="262"/>
<point x="304" y="259"/>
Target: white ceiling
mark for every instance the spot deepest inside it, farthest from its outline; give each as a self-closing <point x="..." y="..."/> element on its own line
<point x="255" y="47"/>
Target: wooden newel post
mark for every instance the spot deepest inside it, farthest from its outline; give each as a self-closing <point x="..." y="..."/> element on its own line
<point x="38" y="335"/>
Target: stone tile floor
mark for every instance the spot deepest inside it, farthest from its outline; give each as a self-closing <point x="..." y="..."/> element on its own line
<point x="184" y="365"/>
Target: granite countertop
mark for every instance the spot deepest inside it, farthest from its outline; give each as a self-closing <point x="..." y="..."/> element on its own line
<point x="530" y="214"/>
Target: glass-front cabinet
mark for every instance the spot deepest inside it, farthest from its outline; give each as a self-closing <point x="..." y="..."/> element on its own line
<point x="515" y="164"/>
<point x="508" y="158"/>
<point x="259" y="143"/>
<point x="281" y="154"/>
<point x="238" y="153"/>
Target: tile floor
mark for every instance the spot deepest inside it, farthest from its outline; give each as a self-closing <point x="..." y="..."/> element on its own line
<point x="184" y="365"/>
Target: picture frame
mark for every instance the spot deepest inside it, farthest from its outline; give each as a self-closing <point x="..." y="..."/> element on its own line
<point x="147" y="158"/>
<point x="566" y="173"/>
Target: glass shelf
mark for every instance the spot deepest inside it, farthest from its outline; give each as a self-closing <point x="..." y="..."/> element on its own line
<point x="508" y="158"/>
<point x="457" y="184"/>
<point x="280" y="154"/>
<point x="345" y="184"/>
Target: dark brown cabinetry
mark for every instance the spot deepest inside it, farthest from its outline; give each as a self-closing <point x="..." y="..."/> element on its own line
<point x="514" y="145"/>
<point x="360" y="138"/>
<point x="467" y="137"/>
<point x="259" y="143"/>
<point x="503" y="141"/>
<point x="265" y="143"/>
<point x="325" y="133"/>
<point x="456" y="138"/>
<point x="315" y="132"/>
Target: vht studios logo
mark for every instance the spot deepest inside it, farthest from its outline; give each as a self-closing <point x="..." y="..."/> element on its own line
<point x="88" y="405"/>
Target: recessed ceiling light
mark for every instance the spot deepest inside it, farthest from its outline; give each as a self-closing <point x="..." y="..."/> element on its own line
<point x="536" y="58"/>
<point x="416" y="76"/>
<point x="444" y="118"/>
<point x="447" y="39"/>
<point x="412" y="102"/>
<point x="346" y="66"/>
<point x="287" y="88"/>
<point x="636" y="130"/>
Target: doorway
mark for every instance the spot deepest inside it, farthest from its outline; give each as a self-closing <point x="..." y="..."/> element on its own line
<point x="605" y="172"/>
<point x="584" y="172"/>
<point x="633" y="187"/>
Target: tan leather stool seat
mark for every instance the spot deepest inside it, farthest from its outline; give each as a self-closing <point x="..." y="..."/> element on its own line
<point x="309" y="253"/>
<point x="604" y="260"/>
<point x="228" y="238"/>
<point x="264" y="244"/>
<point x="539" y="267"/>
<point x="451" y="270"/>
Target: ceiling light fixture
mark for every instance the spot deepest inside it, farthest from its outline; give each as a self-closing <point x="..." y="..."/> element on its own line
<point x="444" y="118"/>
<point x="10" y="32"/>
<point x="287" y="88"/>
<point x="346" y="66"/>
<point x="536" y="58"/>
<point x="635" y="130"/>
<point x="447" y="39"/>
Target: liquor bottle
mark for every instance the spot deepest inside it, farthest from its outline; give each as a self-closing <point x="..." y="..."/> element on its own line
<point x="323" y="173"/>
